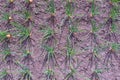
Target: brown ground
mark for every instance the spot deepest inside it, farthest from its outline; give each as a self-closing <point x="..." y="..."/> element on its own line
<point x="82" y="18"/>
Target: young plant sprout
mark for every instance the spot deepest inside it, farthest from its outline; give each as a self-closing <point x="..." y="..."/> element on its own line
<point x="50" y="75"/>
<point x="70" y="75"/>
<point x="51" y="10"/>
<point x="69" y="8"/>
<point x="112" y="54"/>
<point x="50" y="58"/>
<point x="7" y="56"/>
<point x="28" y="18"/>
<point x="69" y="60"/>
<point x="27" y="57"/>
<point x="93" y="9"/>
<point x="49" y="36"/>
<point x="5" y="38"/>
<point x="8" y="20"/>
<point x="25" y="74"/>
<point x="93" y="58"/>
<point x="72" y="31"/>
<point x="95" y="76"/>
<point x="111" y="27"/>
<point x="92" y="36"/>
<point x="5" y="75"/>
<point x="24" y="34"/>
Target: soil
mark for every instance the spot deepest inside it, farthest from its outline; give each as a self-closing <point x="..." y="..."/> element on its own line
<point x="82" y="40"/>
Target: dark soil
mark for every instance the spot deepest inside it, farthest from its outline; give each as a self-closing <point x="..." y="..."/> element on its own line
<point x="92" y="59"/>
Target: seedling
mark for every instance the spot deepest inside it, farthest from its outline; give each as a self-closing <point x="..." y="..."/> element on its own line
<point x="112" y="54"/>
<point x="5" y="39"/>
<point x="69" y="55"/>
<point x="49" y="57"/>
<point x="92" y="36"/>
<point x="24" y="34"/>
<point x="93" y="9"/>
<point x="51" y="10"/>
<point x="27" y="57"/>
<point x="8" y="20"/>
<point x="49" y="36"/>
<point x="25" y="74"/>
<point x="50" y="75"/>
<point x="4" y="75"/>
<point x="95" y="76"/>
<point x="93" y="58"/>
<point x="69" y="8"/>
<point x="70" y="75"/>
<point x="28" y="18"/>
<point x="7" y="56"/>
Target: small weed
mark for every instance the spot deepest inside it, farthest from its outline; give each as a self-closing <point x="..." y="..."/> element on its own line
<point x="4" y="75"/>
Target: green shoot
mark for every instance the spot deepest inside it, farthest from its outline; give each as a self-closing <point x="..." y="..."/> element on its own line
<point x="4" y="75"/>
<point x="70" y="53"/>
<point x="112" y="54"/>
<point x="93" y="58"/>
<point x="24" y="35"/>
<point x="49" y="57"/>
<point x="49" y="75"/>
<point x="49" y="35"/>
<point x="95" y="76"/>
<point x="69" y="8"/>
<point x="28" y="18"/>
<point x="5" y="39"/>
<point x="70" y="75"/>
<point x="7" y="56"/>
<point x="51" y="7"/>
<point x="93" y="9"/>
<point x="25" y="74"/>
<point x="27" y="57"/>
